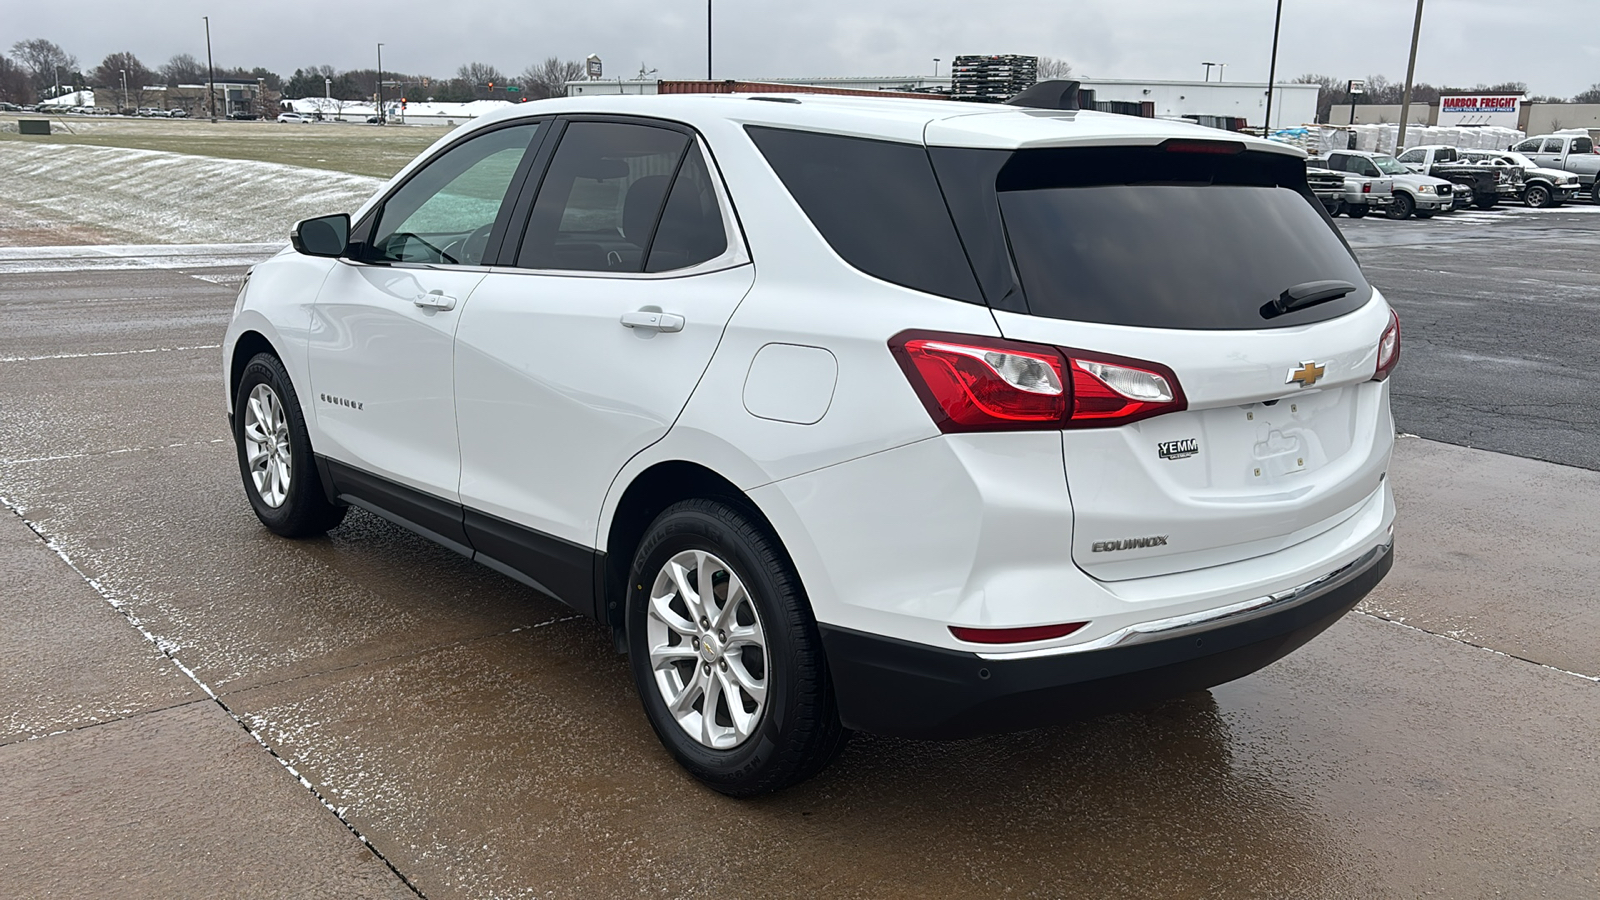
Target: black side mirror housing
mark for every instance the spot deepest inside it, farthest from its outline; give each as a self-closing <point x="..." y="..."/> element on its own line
<point x="322" y="236"/>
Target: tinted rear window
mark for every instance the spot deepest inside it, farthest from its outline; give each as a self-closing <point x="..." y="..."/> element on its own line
<point x="877" y="204"/>
<point x="1140" y="237"/>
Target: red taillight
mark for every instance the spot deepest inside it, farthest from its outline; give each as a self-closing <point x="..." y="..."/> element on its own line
<point x="1366" y="187"/>
<point x="1388" y="348"/>
<point x="1015" y="635"/>
<point x="971" y="383"/>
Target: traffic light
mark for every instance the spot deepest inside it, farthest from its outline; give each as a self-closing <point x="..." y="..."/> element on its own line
<point x="491" y="85"/>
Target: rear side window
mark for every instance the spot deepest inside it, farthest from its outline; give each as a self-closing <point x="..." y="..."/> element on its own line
<point x="1147" y="238"/>
<point x="1582" y="145"/>
<point x="877" y="204"/>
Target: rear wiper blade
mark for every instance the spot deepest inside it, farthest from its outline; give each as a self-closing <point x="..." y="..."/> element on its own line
<point x="1305" y="295"/>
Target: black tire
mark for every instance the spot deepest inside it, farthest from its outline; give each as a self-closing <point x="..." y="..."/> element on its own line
<point x="1402" y="207"/>
<point x="1424" y="213"/>
<point x="1486" y="201"/>
<point x="798" y="732"/>
<point x="1594" y="192"/>
<point x="1339" y="207"/>
<point x="305" y="510"/>
<point x="1537" y="196"/>
<point x="1357" y="212"/>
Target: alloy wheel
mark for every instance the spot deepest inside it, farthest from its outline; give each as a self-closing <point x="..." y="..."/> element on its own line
<point x="708" y="649"/>
<point x="266" y="445"/>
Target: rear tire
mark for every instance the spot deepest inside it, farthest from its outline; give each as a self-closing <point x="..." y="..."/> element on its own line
<point x="1356" y="212"/>
<point x="753" y="642"/>
<point x="1537" y="196"/>
<point x="1337" y="209"/>
<point x="1402" y="207"/>
<point x="1594" y="193"/>
<point x="274" y="449"/>
<point x="1424" y="213"/>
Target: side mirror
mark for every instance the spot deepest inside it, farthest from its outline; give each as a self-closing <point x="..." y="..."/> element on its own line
<point x="322" y="236"/>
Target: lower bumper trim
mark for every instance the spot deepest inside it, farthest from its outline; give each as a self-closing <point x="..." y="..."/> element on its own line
<point x="889" y="686"/>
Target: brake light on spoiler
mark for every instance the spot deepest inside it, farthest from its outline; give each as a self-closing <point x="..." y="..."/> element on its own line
<point x="970" y="383"/>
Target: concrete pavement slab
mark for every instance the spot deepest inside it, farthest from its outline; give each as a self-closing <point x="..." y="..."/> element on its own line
<point x="70" y="659"/>
<point x="75" y="406"/>
<point x="169" y="534"/>
<point x="176" y="803"/>
<point x="1380" y="761"/>
<point x="1498" y="551"/>
<point x="70" y="313"/>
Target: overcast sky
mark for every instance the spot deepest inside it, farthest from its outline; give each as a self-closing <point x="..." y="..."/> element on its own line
<point x="1463" y="41"/>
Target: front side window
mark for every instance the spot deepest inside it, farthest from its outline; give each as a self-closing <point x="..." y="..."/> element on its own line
<point x="1388" y="165"/>
<point x="1552" y="145"/>
<point x="602" y="197"/>
<point x="1528" y="146"/>
<point x="447" y="211"/>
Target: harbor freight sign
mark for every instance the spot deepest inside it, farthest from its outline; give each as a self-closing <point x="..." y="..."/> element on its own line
<point x="1479" y="109"/>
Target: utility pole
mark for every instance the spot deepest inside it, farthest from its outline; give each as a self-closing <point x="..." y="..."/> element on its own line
<point x="211" y="72"/>
<point x="1411" y="70"/>
<point x="124" y="88"/>
<point x="1272" y="71"/>
<point x="380" y="84"/>
<point x="1222" y="69"/>
<point x="708" y="40"/>
<point x="1208" y="66"/>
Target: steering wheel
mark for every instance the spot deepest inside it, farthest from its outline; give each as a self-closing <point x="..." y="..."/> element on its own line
<point x="469" y="250"/>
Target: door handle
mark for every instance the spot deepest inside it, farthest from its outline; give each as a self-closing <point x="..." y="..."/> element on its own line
<point x="435" y="300"/>
<point x="651" y="320"/>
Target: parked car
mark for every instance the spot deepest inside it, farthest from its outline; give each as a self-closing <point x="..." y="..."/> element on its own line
<point x="176" y="113"/>
<point x="1541" y="187"/>
<point x="1021" y="418"/>
<point x="1350" y="194"/>
<point x="151" y="111"/>
<point x="9" y="107"/>
<point x="1421" y="195"/>
<point x="1573" y="153"/>
<point x="1489" y="184"/>
<point x="293" y="118"/>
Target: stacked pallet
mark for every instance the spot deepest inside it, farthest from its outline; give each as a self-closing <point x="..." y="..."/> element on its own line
<point x="992" y="79"/>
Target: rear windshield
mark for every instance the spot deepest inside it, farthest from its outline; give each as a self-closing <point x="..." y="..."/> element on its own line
<point x="1154" y="239"/>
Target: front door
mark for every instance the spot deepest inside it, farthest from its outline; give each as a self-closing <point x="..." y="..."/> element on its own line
<point x="584" y="353"/>
<point x="384" y="324"/>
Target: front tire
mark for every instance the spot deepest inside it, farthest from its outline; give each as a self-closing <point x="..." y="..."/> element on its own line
<point x="1356" y="212"/>
<point x="1536" y="196"/>
<point x="1402" y="207"/>
<point x="725" y="652"/>
<point x="274" y="450"/>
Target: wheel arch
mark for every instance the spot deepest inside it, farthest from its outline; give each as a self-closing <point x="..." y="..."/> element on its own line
<point x="249" y="343"/>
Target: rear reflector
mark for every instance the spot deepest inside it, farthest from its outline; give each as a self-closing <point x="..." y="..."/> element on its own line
<point x="1015" y="635"/>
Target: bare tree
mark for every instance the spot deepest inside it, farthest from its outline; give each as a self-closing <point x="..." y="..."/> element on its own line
<point x="1592" y="95"/>
<point x="45" y="61"/>
<point x="1053" y="68"/>
<point x="183" y="69"/>
<point x="549" y="78"/>
<point x="481" y="73"/>
<point x="13" y="82"/>
<point x="108" y="75"/>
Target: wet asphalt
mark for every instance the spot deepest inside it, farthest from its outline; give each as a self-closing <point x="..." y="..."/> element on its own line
<point x="198" y="708"/>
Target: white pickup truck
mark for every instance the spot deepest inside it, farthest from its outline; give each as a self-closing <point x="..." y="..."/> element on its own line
<point x="1573" y="153"/>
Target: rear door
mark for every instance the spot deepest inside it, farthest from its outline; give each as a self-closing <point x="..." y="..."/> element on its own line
<point x="1172" y="261"/>
<point x="583" y="350"/>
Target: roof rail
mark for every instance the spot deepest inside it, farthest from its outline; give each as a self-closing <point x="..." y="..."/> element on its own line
<point x="1048" y="95"/>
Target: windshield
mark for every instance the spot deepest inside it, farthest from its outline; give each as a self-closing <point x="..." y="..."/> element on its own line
<point x="1388" y="165"/>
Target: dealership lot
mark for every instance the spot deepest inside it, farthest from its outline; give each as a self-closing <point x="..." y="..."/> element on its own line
<point x="482" y="741"/>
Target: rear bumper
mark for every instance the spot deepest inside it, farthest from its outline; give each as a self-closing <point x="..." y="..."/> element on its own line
<point x="889" y="686"/>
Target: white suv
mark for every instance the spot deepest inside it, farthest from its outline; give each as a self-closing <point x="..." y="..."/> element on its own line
<point x="903" y="416"/>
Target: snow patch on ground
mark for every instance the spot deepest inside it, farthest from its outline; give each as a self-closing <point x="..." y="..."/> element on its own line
<point x="151" y="196"/>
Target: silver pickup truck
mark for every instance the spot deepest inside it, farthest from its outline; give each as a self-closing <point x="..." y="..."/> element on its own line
<point x="1541" y="186"/>
<point x="1421" y="195"/>
<point x="1573" y="153"/>
<point x="1347" y="193"/>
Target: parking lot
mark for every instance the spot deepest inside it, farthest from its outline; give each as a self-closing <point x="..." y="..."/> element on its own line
<point x="201" y="709"/>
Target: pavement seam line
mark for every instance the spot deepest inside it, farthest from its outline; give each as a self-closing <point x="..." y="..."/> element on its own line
<point x="1455" y="640"/>
<point x="77" y="728"/>
<point x="94" y="453"/>
<point x="163" y="648"/>
<point x="48" y="356"/>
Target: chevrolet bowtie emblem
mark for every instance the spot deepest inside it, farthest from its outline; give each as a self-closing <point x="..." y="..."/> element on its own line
<point x="1308" y="374"/>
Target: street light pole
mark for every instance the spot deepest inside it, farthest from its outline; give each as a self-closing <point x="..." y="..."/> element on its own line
<point x="708" y="40"/>
<point x="1272" y="71"/>
<point x="1411" y="70"/>
<point x="1222" y="70"/>
<point x="211" y="72"/>
<point x="124" y="88"/>
<point x="1208" y="66"/>
<point x="380" y="84"/>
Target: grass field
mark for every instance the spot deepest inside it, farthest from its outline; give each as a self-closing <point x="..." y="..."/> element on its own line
<point x="338" y="147"/>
